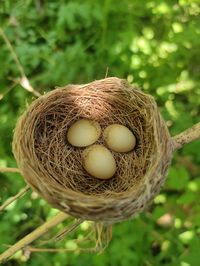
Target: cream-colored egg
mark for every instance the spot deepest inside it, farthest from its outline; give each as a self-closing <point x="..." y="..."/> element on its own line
<point x="83" y="133"/>
<point x="119" y="138"/>
<point x="99" y="162"/>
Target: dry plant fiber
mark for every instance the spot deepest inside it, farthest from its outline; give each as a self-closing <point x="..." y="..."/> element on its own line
<point x="53" y="167"/>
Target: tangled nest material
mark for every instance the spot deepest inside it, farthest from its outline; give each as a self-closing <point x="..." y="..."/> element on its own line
<point x="53" y="168"/>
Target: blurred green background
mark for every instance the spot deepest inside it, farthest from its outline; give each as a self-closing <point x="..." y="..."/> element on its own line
<point x="153" y="44"/>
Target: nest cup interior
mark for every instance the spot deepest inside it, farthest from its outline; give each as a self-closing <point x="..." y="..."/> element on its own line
<point x="54" y="168"/>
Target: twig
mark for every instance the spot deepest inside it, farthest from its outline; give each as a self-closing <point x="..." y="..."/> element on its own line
<point x="68" y="230"/>
<point x="21" y="70"/>
<point x="12" y="199"/>
<point x="55" y="250"/>
<point x="23" y="81"/>
<point x="33" y="236"/>
<point x="186" y="136"/>
<point x="64" y="232"/>
<point x="85" y="239"/>
<point x="9" y="170"/>
<point x="7" y="91"/>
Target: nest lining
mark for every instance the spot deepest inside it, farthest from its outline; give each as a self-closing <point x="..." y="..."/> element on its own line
<point x="54" y="168"/>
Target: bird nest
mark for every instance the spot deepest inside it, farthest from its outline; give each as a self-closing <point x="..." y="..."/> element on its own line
<point x="54" y="168"/>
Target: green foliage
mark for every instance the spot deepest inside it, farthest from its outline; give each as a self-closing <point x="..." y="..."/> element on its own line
<point x="155" y="45"/>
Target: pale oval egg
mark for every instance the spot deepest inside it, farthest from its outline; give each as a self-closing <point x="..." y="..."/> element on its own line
<point x="99" y="162"/>
<point x="119" y="138"/>
<point x="83" y="133"/>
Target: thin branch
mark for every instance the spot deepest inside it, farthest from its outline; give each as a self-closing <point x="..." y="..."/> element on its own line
<point x="64" y="232"/>
<point x="23" y="81"/>
<point x="55" y="250"/>
<point x="28" y="250"/>
<point x="21" y="193"/>
<point x="186" y="136"/>
<point x="85" y="239"/>
<point x="9" y="45"/>
<point x="41" y="230"/>
<point x="68" y="230"/>
<point x="9" y="170"/>
<point x="7" y="91"/>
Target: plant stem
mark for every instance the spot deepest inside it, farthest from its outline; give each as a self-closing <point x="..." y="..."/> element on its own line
<point x="55" y="250"/>
<point x="186" y="136"/>
<point x="9" y="170"/>
<point x="11" y="199"/>
<point x="68" y="230"/>
<point x="33" y="236"/>
<point x="24" y="82"/>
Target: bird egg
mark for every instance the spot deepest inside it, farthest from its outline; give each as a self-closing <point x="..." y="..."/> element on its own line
<point x="119" y="138"/>
<point x="83" y="133"/>
<point x="99" y="162"/>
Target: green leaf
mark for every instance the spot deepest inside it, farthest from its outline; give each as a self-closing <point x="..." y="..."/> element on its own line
<point x="177" y="178"/>
<point x="187" y="198"/>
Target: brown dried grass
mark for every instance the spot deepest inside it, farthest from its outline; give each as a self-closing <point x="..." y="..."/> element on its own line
<point x="53" y="168"/>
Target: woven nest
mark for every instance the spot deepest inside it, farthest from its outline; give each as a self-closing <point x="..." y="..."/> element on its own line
<point x="53" y="168"/>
